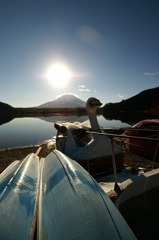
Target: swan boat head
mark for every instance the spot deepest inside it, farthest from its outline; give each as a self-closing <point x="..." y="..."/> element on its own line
<point x="92" y="105"/>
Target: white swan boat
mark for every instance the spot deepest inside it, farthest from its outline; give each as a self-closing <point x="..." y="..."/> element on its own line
<point x="93" y="152"/>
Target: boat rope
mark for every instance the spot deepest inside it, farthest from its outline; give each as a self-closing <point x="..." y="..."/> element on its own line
<point x="123" y="136"/>
<point x="87" y="158"/>
<point x="112" y="136"/>
<point x="116" y="186"/>
<point x="129" y="129"/>
<point x="156" y="150"/>
<point x="113" y="161"/>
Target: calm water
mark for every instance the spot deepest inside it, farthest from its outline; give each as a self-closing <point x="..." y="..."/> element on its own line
<point x="31" y="131"/>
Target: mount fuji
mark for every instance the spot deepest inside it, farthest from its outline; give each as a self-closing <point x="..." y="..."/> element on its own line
<point x="65" y="101"/>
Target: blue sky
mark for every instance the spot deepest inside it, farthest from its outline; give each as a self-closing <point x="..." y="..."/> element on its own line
<point x="111" y="47"/>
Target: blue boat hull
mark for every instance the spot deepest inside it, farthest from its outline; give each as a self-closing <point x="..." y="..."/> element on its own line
<point x="73" y="206"/>
<point x="18" y="200"/>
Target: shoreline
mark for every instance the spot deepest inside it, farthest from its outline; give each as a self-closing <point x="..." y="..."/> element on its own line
<point x="9" y="155"/>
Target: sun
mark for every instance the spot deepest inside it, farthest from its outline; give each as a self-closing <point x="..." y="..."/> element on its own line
<point x="58" y="75"/>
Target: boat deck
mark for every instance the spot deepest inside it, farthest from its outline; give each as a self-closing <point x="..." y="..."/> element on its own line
<point x="141" y="211"/>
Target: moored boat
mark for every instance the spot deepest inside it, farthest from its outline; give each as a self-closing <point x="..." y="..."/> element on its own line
<point x="136" y="196"/>
<point x="19" y="198"/>
<point x="66" y="202"/>
<point x="93" y="152"/>
<point x="148" y="128"/>
<point x="73" y="206"/>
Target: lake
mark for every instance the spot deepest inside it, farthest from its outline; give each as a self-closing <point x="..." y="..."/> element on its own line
<point x="31" y="131"/>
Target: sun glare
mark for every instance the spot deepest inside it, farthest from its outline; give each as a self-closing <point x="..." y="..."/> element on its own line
<point x="58" y="75"/>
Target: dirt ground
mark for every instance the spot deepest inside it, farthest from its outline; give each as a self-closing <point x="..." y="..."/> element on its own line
<point x="7" y="156"/>
<point x="136" y="161"/>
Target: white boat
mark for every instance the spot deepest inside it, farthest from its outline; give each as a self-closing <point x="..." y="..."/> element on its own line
<point x="93" y="152"/>
<point x="136" y="196"/>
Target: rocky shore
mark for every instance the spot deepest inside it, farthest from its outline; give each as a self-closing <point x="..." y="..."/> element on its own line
<point x="136" y="161"/>
<point x="7" y="156"/>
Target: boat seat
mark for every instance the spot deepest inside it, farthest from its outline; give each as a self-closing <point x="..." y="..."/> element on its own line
<point x="130" y="188"/>
<point x="141" y="185"/>
<point x="152" y="180"/>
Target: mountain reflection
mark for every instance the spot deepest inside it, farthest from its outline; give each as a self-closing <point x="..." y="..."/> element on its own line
<point x="5" y="118"/>
<point x="25" y="131"/>
<point x="128" y="118"/>
<point x="123" y="117"/>
<point x="72" y="119"/>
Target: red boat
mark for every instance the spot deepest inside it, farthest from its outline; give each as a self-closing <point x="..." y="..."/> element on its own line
<point x="148" y="128"/>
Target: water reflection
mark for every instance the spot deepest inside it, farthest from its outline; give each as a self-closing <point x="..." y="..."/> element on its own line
<point x="5" y="118"/>
<point x="128" y="118"/>
<point x="74" y="118"/>
<point x="31" y="131"/>
<point x="24" y="131"/>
